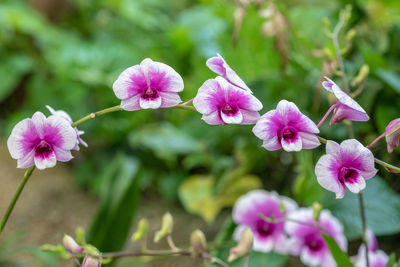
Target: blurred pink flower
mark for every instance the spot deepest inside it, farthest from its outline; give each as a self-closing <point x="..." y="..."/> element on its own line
<point x="376" y="257"/>
<point x="221" y="102"/>
<point x="150" y="85"/>
<point x="65" y="116"/>
<point x="41" y="141"/>
<point x="71" y="245"/>
<point x="218" y="65"/>
<point x="91" y="262"/>
<point x="392" y="132"/>
<point x="267" y="236"/>
<point x="346" y="108"/>
<point x="286" y="127"/>
<point x="306" y="240"/>
<point x="346" y="165"/>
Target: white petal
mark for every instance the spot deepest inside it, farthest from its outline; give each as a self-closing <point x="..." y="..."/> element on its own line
<point x="232" y="119"/>
<point x="296" y="145"/>
<point x="150" y="103"/>
<point x="45" y="162"/>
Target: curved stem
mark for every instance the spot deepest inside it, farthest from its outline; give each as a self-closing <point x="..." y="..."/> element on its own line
<point x="364" y="226"/>
<point x="188" y="102"/>
<point x="376" y="140"/>
<point x="17" y="193"/>
<point x="326" y="115"/>
<point x="121" y="254"/>
<point x="96" y="114"/>
<point x="335" y="40"/>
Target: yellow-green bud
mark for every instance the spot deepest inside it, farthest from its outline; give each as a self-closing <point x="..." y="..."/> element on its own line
<point x="166" y="227"/>
<point x="243" y="247"/>
<point x="198" y="243"/>
<point x="141" y="231"/>
<point x="317" y="208"/>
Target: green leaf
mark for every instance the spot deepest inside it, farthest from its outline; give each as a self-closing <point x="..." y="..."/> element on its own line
<point x="341" y="257"/>
<point x="111" y="226"/>
<point x="392" y="260"/>
<point x="389" y="77"/>
<point x="382" y="208"/>
<point x="198" y="195"/>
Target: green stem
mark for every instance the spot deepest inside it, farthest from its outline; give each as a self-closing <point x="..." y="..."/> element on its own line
<point x="96" y="114"/>
<point x="364" y="226"/>
<point x="17" y="193"/>
<point x="183" y="106"/>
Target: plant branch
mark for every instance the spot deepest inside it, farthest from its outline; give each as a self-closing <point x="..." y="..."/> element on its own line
<point x="364" y="226"/>
<point x="14" y="200"/>
<point x="96" y="114"/>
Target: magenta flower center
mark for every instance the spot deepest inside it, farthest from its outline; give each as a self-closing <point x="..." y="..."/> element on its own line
<point x="314" y="242"/>
<point x="264" y="228"/>
<point x="289" y="133"/>
<point x="229" y="109"/>
<point x="150" y="93"/>
<point x="347" y="175"/>
<point x="43" y="149"/>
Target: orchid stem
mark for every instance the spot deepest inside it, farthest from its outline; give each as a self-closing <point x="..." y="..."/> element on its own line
<point x="14" y="200"/>
<point x="246" y="261"/>
<point x="188" y="102"/>
<point x="364" y="226"/>
<point x="96" y="114"/>
<point x="326" y="115"/>
<point x="376" y="140"/>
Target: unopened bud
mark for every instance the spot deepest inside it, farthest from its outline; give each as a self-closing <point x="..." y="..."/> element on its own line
<point x="91" y="262"/>
<point x="166" y="227"/>
<point x="243" y="247"/>
<point x="362" y="75"/>
<point x="198" y="243"/>
<point x="350" y="35"/>
<point x="317" y="208"/>
<point x="141" y="231"/>
<point x="71" y="245"/>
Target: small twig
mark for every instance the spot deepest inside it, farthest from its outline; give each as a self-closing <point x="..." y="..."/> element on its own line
<point x="364" y="226"/>
<point x="77" y="261"/>
<point x="376" y="140"/>
<point x="188" y="102"/>
<point x="171" y="243"/>
<point x="246" y="261"/>
<point x="326" y="115"/>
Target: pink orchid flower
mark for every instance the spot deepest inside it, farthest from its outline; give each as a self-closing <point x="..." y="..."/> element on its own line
<point x="41" y="141"/>
<point x="286" y="127"/>
<point x="219" y="66"/>
<point x="346" y="165"/>
<point x="150" y="85"/>
<point x="267" y="236"/>
<point x="346" y="108"/>
<point x="306" y="240"/>
<point x="221" y="102"/>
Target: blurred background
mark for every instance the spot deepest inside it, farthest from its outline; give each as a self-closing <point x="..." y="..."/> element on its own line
<point x="67" y="53"/>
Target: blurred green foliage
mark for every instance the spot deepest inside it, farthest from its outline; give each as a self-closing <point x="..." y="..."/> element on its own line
<point x="68" y="54"/>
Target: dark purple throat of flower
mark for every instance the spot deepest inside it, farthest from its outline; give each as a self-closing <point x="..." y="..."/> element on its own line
<point x="265" y="229"/>
<point x="43" y="149"/>
<point x="150" y="93"/>
<point x="348" y="175"/>
<point x="314" y="242"/>
<point x="289" y="134"/>
<point x="229" y="109"/>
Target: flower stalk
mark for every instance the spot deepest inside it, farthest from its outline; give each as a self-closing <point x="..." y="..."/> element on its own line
<point x="14" y="200"/>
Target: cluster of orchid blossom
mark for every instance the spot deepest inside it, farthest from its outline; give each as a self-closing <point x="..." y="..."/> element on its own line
<point x="279" y="225"/>
<point x="226" y="99"/>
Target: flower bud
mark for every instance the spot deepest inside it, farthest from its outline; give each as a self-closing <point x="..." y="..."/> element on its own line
<point x="166" y="227"/>
<point x="91" y="262"/>
<point x="316" y="207"/>
<point x="243" y="247"/>
<point x="198" y="243"/>
<point x="71" y="245"/>
<point x="141" y="232"/>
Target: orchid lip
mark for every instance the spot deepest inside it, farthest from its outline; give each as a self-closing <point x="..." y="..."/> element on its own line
<point x="347" y="174"/>
<point x="43" y="148"/>
<point x="288" y="133"/>
<point x="229" y="109"/>
<point x="150" y="93"/>
<point x="265" y="229"/>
